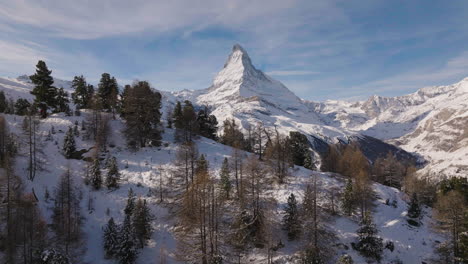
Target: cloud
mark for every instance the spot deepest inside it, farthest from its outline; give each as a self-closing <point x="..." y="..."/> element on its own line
<point x="291" y="73"/>
<point x="104" y="18"/>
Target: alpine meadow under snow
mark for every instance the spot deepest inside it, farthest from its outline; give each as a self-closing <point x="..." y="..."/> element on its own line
<point x="243" y="171"/>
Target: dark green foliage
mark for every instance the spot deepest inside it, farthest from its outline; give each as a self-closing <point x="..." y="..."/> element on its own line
<point x="348" y="201"/>
<point x="309" y="162"/>
<point x="177" y="116"/>
<point x="111" y="238"/>
<point x="185" y="122"/>
<point x="108" y="90"/>
<point x="62" y="101"/>
<point x="232" y="135"/>
<point x="82" y="92"/>
<point x="113" y="174"/>
<point x="312" y="256"/>
<point x="44" y="91"/>
<point x="130" y="203"/>
<point x="22" y="106"/>
<point x="414" y="208"/>
<point x="202" y="165"/>
<point x="459" y="184"/>
<point x="300" y="148"/>
<point x="96" y="178"/>
<point x="69" y="146"/>
<point x="291" y="221"/>
<point x="207" y="124"/>
<point x="369" y="244"/>
<point x="225" y="181"/>
<point x="141" y="221"/>
<point x="3" y="102"/>
<point x="127" y="251"/>
<point x="140" y="110"/>
<point x="51" y="256"/>
<point x="345" y="259"/>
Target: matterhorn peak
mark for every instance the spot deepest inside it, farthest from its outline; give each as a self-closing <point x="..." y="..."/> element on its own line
<point x="238" y="58"/>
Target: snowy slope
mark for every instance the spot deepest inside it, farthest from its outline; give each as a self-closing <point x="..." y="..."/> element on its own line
<point x="412" y="245"/>
<point x="432" y="122"/>
<point x="21" y="86"/>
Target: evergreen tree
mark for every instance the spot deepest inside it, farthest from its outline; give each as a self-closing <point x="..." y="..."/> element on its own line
<point x="312" y="256"/>
<point x="113" y="174"/>
<point x="141" y="221"/>
<point x="130" y="203"/>
<point x="69" y="146"/>
<point x="414" y="208"/>
<point x="140" y="110"/>
<point x="96" y="179"/>
<point x="62" y="101"/>
<point x="82" y="93"/>
<point x="232" y="135"/>
<point x="111" y="238"/>
<point x="207" y="124"/>
<point x="52" y="256"/>
<point x="300" y="148"/>
<point x="348" y="201"/>
<point x="369" y="244"/>
<point x="127" y="251"/>
<point x="189" y="121"/>
<point x="3" y="102"/>
<point x="44" y="91"/>
<point x="291" y="218"/>
<point x="108" y="91"/>
<point x="345" y="259"/>
<point x="225" y="181"/>
<point x="309" y="162"/>
<point x="22" y="106"/>
<point x="177" y="116"/>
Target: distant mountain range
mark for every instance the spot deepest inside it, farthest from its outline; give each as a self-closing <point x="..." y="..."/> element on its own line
<point x="431" y="123"/>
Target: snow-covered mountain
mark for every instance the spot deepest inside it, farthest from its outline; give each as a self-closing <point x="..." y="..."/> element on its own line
<point x="431" y="122"/>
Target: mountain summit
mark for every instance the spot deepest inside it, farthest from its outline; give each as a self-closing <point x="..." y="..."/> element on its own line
<point x="239" y="80"/>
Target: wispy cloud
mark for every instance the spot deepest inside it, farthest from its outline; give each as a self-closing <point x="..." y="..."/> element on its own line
<point x="292" y="73"/>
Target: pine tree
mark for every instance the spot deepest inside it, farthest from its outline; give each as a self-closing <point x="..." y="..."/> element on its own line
<point x="127" y="251"/>
<point x="111" y="238"/>
<point x="22" y="106"/>
<point x="345" y="259"/>
<point x="309" y="162"/>
<point x="3" y="102"/>
<point x="225" y="181"/>
<point x="62" y="101"/>
<point x="82" y="93"/>
<point x="312" y="256"/>
<point x="113" y="174"/>
<point x="96" y="179"/>
<point x="130" y="203"/>
<point x="69" y="146"/>
<point x="44" y="91"/>
<point x="369" y="244"/>
<point x="141" y="221"/>
<point x="348" y="201"/>
<point x="108" y="91"/>
<point x="141" y="111"/>
<point x="52" y="256"/>
<point x="207" y="124"/>
<point x="177" y="116"/>
<point x="414" y="209"/>
<point x="291" y="218"/>
<point x="300" y="146"/>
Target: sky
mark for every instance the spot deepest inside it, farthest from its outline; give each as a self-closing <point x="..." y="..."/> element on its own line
<point x="320" y="49"/>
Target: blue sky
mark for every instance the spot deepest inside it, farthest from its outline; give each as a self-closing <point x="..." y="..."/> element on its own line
<point x="321" y="49"/>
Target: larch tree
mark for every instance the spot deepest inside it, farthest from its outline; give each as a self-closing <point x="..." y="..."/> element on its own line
<point x="225" y="178"/>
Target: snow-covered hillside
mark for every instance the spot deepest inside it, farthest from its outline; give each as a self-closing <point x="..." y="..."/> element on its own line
<point x="142" y="171"/>
<point x="431" y="122"/>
